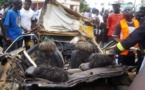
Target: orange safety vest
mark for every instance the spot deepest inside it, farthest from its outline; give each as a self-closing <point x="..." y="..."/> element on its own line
<point x="125" y="32"/>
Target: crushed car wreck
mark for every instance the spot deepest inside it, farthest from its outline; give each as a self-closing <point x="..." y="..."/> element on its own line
<point x="44" y="65"/>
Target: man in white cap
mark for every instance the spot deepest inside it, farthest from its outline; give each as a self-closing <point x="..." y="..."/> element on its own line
<point x="113" y="19"/>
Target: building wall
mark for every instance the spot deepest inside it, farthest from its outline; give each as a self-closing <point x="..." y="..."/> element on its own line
<point x="72" y="4"/>
<point x="99" y="4"/>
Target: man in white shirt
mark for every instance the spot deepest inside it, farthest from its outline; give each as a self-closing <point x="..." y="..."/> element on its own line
<point x="27" y="18"/>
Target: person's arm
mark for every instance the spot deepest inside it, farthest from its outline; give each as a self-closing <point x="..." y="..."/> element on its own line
<point x="33" y="21"/>
<point x="135" y="37"/>
<point x="6" y="24"/>
<point x="116" y="32"/>
<point x="97" y="22"/>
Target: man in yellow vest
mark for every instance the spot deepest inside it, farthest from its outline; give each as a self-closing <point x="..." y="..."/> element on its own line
<point x="122" y="30"/>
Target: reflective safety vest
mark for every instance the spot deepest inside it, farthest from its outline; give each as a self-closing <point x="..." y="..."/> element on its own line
<point x="125" y="32"/>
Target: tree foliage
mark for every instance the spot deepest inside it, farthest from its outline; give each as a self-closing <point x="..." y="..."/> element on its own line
<point x="2" y="2"/>
<point x="83" y="5"/>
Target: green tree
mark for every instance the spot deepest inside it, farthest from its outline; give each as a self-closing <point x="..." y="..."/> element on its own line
<point x="83" y="5"/>
<point x="2" y="2"/>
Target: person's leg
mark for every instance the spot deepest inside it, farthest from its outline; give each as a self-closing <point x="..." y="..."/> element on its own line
<point x="17" y="45"/>
<point x="1" y="38"/>
<point x="1" y="41"/>
<point x="13" y="47"/>
<point x="6" y="44"/>
<point x="20" y="43"/>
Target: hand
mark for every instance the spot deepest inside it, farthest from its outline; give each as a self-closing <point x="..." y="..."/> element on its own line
<point x="133" y="48"/>
<point x="25" y="30"/>
<point x="9" y="40"/>
<point x="28" y="31"/>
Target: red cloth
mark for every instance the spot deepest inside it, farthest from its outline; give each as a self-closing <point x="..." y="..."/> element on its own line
<point x="112" y="21"/>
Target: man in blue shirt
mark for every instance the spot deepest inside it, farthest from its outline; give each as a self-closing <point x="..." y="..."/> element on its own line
<point x="12" y="26"/>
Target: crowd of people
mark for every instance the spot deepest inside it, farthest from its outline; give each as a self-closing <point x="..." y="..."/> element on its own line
<point x="129" y="33"/>
<point x="16" y="20"/>
<point x="99" y="20"/>
<point x="127" y="30"/>
<point x="117" y="26"/>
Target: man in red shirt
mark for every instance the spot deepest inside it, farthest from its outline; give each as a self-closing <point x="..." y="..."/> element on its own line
<point x="114" y="18"/>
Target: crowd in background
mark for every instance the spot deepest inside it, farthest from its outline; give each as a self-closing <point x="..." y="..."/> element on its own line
<point x="115" y="26"/>
<point x="16" y="19"/>
<point x="102" y="17"/>
<point x="100" y="27"/>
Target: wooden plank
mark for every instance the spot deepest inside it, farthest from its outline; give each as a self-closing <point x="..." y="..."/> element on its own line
<point x="59" y="33"/>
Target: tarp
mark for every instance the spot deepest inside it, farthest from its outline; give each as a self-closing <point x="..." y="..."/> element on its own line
<point x="56" y="17"/>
